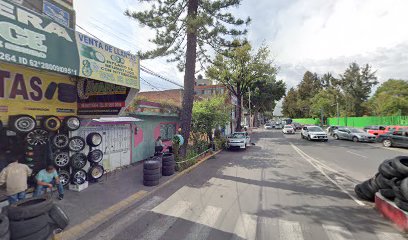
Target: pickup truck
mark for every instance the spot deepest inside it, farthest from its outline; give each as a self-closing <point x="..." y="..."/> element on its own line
<point x="378" y="130"/>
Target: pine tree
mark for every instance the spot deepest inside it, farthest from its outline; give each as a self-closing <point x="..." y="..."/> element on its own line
<point x="181" y="27"/>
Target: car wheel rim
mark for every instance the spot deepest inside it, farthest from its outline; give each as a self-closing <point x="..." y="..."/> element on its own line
<point x="96" y="156"/>
<point x="76" y="144"/>
<point x="355" y="140"/>
<point x="79" y="177"/>
<point x="61" y="141"/>
<point x="73" y="123"/>
<point x="96" y="172"/>
<point x="37" y="137"/>
<point x="79" y="161"/>
<point x="387" y="143"/>
<point x="96" y="139"/>
<point x="64" y="178"/>
<point x="25" y="124"/>
<point x="62" y="159"/>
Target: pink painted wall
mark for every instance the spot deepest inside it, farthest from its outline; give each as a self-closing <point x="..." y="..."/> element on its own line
<point x="156" y="133"/>
<point x="139" y="136"/>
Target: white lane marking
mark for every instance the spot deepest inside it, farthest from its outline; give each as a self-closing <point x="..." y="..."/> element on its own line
<point x="246" y="226"/>
<point x="357" y="154"/>
<point x="133" y="216"/>
<point x="289" y="230"/>
<point x="389" y="236"/>
<point x="208" y="217"/>
<point x="310" y="160"/>
<point x="337" y="233"/>
<point x="156" y="230"/>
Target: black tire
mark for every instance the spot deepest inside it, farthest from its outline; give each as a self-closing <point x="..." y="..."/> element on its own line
<point x="51" y="123"/>
<point x="397" y="193"/>
<point x="169" y="168"/>
<point x="401" y="204"/>
<point x="22" y="123"/>
<point x="40" y="235"/>
<point x="59" y="217"/>
<point x="151" y="171"/>
<point x="29" y="208"/>
<point x="401" y="164"/>
<point x="336" y="136"/>
<point x="151" y="183"/>
<point x="78" y="160"/>
<point x="61" y="159"/>
<point x="49" y="93"/>
<point x="94" y="139"/>
<point x="168" y="157"/>
<point x="387" y="170"/>
<point x="151" y="164"/>
<point x="67" y="93"/>
<point x="78" y="177"/>
<point x="76" y="144"/>
<point x="387" y="143"/>
<point x="367" y="190"/>
<point x="21" y="229"/>
<point x="168" y="163"/>
<point x="72" y="123"/>
<point x="64" y="177"/>
<point x="404" y="188"/>
<point x="60" y="141"/>
<point x="95" y="156"/>
<point x="373" y="185"/>
<point x="359" y="192"/>
<point x="154" y="177"/>
<point x="6" y="236"/>
<point x="308" y="138"/>
<point x="4" y="224"/>
<point x="382" y="182"/>
<point x="388" y="193"/>
<point x="168" y="173"/>
<point x="37" y="137"/>
<point x="355" y="139"/>
<point x="95" y="172"/>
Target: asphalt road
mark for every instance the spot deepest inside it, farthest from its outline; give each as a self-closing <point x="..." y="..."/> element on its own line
<point x="282" y="188"/>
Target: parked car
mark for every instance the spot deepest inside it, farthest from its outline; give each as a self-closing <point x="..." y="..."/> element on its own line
<point x="387" y="129"/>
<point x="268" y="126"/>
<point x="394" y="139"/>
<point x="238" y="139"/>
<point x="297" y="126"/>
<point x="331" y="129"/>
<point x="354" y="134"/>
<point x="313" y="133"/>
<point x="288" y="129"/>
<point x="278" y="126"/>
<point x="375" y="130"/>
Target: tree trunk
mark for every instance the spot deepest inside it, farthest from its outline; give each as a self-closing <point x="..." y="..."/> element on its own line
<point x="255" y="118"/>
<point x="189" y="78"/>
<point x="239" y="112"/>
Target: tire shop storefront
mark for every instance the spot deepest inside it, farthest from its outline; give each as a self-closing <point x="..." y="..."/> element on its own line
<point x="54" y="82"/>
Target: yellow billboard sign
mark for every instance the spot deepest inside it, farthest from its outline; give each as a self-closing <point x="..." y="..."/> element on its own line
<point x="36" y="93"/>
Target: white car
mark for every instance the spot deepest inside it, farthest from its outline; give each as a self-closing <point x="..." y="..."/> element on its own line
<point x="239" y="139"/>
<point x="268" y="126"/>
<point x="313" y="133"/>
<point x="288" y="129"/>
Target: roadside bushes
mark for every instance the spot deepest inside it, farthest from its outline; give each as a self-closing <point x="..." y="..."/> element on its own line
<point x="391" y="181"/>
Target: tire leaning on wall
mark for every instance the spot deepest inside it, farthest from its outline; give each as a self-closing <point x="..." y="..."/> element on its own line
<point x="51" y="123"/>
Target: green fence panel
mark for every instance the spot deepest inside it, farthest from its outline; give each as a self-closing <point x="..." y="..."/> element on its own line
<point x="307" y="120"/>
<point x="367" y="121"/>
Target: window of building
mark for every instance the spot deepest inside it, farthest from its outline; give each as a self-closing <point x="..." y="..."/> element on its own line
<point x="167" y="131"/>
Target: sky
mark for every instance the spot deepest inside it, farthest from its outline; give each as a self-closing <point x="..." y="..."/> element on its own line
<point x="316" y="35"/>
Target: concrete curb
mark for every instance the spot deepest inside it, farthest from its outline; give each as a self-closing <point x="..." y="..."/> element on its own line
<point x="95" y="221"/>
<point x="389" y="210"/>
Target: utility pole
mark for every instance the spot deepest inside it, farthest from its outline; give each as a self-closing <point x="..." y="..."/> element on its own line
<point x="249" y="107"/>
<point x="337" y="111"/>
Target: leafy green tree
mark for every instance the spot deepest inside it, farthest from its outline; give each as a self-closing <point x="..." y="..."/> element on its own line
<point x="240" y="68"/>
<point x="391" y="98"/>
<point x="186" y="30"/>
<point x="356" y="84"/>
<point x="289" y="105"/>
<point x="209" y="114"/>
<point x="306" y="90"/>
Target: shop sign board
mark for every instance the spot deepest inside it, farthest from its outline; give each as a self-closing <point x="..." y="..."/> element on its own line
<point x="27" y="91"/>
<point x="58" y="14"/>
<point x="101" y="98"/>
<point x="33" y="40"/>
<point x="101" y="61"/>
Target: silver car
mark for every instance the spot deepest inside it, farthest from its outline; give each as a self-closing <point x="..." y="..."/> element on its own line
<point x="353" y="134"/>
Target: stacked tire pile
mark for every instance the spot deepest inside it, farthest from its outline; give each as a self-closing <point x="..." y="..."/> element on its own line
<point x="169" y="164"/>
<point x="152" y="171"/>
<point x="31" y="219"/>
<point x="391" y="181"/>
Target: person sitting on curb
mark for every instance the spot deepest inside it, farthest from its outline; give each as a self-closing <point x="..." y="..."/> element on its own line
<point x="15" y="176"/>
<point x="47" y="178"/>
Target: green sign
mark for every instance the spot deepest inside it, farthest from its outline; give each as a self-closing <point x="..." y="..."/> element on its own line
<point x="30" y="39"/>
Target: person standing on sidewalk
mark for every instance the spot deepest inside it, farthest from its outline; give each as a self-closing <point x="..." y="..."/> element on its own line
<point x="15" y="176"/>
<point x="48" y="178"/>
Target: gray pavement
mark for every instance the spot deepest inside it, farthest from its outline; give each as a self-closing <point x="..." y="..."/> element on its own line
<point x="282" y="188"/>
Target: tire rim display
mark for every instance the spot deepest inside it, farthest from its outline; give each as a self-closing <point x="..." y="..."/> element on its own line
<point x="60" y="141"/>
<point x="96" y="172"/>
<point x="73" y="123"/>
<point x="95" y="156"/>
<point x="76" y="144"/>
<point x="25" y="124"/>
<point x="78" y="160"/>
<point x="37" y="137"/>
<point x="61" y="159"/>
<point x="64" y="177"/>
<point x="79" y="177"/>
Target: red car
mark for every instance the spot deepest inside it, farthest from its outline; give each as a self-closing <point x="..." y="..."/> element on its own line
<point x="378" y="130"/>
